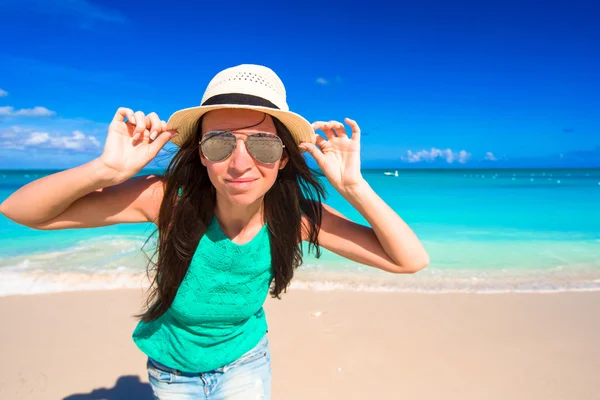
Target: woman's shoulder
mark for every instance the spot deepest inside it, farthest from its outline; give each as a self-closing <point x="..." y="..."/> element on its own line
<point x="151" y="185"/>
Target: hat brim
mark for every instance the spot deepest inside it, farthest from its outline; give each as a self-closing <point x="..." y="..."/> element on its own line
<point x="185" y="121"/>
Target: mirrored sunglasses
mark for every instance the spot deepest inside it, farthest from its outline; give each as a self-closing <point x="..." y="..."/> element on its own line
<point x="264" y="147"/>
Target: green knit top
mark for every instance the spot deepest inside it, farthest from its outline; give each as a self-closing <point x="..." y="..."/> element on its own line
<point x="217" y="314"/>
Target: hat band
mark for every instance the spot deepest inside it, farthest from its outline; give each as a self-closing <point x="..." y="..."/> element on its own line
<point x="238" y="99"/>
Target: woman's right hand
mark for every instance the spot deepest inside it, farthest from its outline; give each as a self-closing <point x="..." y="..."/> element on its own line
<point x="131" y="145"/>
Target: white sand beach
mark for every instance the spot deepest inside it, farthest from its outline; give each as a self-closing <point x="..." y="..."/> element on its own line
<point x="325" y="345"/>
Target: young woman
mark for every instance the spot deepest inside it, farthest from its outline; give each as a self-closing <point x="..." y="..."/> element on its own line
<point x="232" y="210"/>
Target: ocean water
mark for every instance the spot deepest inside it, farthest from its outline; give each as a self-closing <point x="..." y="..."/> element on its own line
<point x="486" y="231"/>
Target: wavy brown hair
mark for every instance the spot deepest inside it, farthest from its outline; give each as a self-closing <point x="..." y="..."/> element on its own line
<point x="188" y="207"/>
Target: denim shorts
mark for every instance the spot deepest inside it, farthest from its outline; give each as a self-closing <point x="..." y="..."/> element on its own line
<point x="247" y="378"/>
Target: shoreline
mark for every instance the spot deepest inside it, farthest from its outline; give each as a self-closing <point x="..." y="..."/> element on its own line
<point x="333" y="344"/>
<point x="307" y="287"/>
<point x="14" y="283"/>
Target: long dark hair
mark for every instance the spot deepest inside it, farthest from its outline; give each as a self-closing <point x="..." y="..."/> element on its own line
<point x="188" y="207"/>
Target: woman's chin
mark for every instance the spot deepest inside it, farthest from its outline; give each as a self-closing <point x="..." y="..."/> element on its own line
<point x="242" y="195"/>
<point x="242" y="198"/>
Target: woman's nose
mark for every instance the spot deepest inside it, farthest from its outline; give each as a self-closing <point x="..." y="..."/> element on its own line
<point x="240" y="158"/>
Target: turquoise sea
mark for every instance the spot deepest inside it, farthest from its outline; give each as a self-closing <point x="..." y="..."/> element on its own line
<point x="485" y="231"/>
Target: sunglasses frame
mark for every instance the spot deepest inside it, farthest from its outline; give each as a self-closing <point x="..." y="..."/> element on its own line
<point x="209" y="135"/>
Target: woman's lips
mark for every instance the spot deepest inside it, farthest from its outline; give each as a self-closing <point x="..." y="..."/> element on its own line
<point x="240" y="183"/>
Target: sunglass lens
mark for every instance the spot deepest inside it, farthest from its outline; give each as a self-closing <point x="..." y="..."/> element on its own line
<point x="265" y="148"/>
<point x="219" y="146"/>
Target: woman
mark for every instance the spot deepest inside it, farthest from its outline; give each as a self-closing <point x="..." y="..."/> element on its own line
<point x="231" y="210"/>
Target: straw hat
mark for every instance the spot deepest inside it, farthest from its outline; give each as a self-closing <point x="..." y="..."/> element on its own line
<point x="245" y="86"/>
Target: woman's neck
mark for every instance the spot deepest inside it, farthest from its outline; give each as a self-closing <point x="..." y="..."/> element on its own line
<point x="238" y="220"/>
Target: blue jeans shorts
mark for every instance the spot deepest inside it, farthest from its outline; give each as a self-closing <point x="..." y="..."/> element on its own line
<point x="247" y="378"/>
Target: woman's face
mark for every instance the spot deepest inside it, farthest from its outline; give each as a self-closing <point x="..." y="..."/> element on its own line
<point x="240" y="178"/>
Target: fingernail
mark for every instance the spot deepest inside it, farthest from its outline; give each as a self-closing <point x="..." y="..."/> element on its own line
<point x="153" y="135"/>
<point x="136" y="136"/>
<point x="132" y="119"/>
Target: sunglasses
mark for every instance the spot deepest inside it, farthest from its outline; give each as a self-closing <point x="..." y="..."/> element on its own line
<point x="264" y="147"/>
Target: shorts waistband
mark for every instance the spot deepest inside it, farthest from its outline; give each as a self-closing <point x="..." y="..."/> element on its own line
<point x="263" y="343"/>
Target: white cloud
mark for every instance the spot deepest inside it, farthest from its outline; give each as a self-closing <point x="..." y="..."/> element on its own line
<point x="490" y="156"/>
<point x="326" y="81"/>
<point x="37" y="138"/>
<point x="449" y="155"/>
<point x="21" y="139"/>
<point x="9" y="111"/>
<point x="19" y="129"/>
<point x="3" y="93"/>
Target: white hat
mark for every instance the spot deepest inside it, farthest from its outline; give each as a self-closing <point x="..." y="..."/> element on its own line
<point x="244" y="86"/>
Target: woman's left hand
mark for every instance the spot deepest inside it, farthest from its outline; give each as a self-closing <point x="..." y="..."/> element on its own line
<point x="339" y="155"/>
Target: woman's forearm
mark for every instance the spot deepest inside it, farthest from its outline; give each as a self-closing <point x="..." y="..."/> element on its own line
<point x="47" y="197"/>
<point x="398" y="240"/>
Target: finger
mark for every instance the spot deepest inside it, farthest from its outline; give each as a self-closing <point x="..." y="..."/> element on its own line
<point x="122" y="113"/>
<point x="338" y="128"/>
<point x="326" y="128"/>
<point x="355" y="129"/>
<point x="314" y="151"/>
<point x="140" y="125"/>
<point x="148" y="124"/>
<point x="160" y="141"/>
<point x="321" y="143"/>
<point x="162" y="126"/>
<point x="318" y="125"/>
<point x="323" y="126"/>
<point x="153" y="124"/>
<point x="146" y="136"/>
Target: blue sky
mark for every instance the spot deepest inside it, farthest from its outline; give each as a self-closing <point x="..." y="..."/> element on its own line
<point x="432" y="84"/>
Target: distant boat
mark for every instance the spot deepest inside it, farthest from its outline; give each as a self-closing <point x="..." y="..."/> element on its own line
<point x="391" y="173"/>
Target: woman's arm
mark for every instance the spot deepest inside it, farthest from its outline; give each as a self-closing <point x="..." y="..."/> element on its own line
<point x="99" y="192"/>
<point x="135" y="200"/>
<point x="48" y="197"/>
<point x="395" y="236"/>
<point x="390" y="244"/>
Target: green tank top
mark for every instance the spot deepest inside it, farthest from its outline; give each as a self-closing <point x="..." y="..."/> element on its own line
<point x="217" y="314"/>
